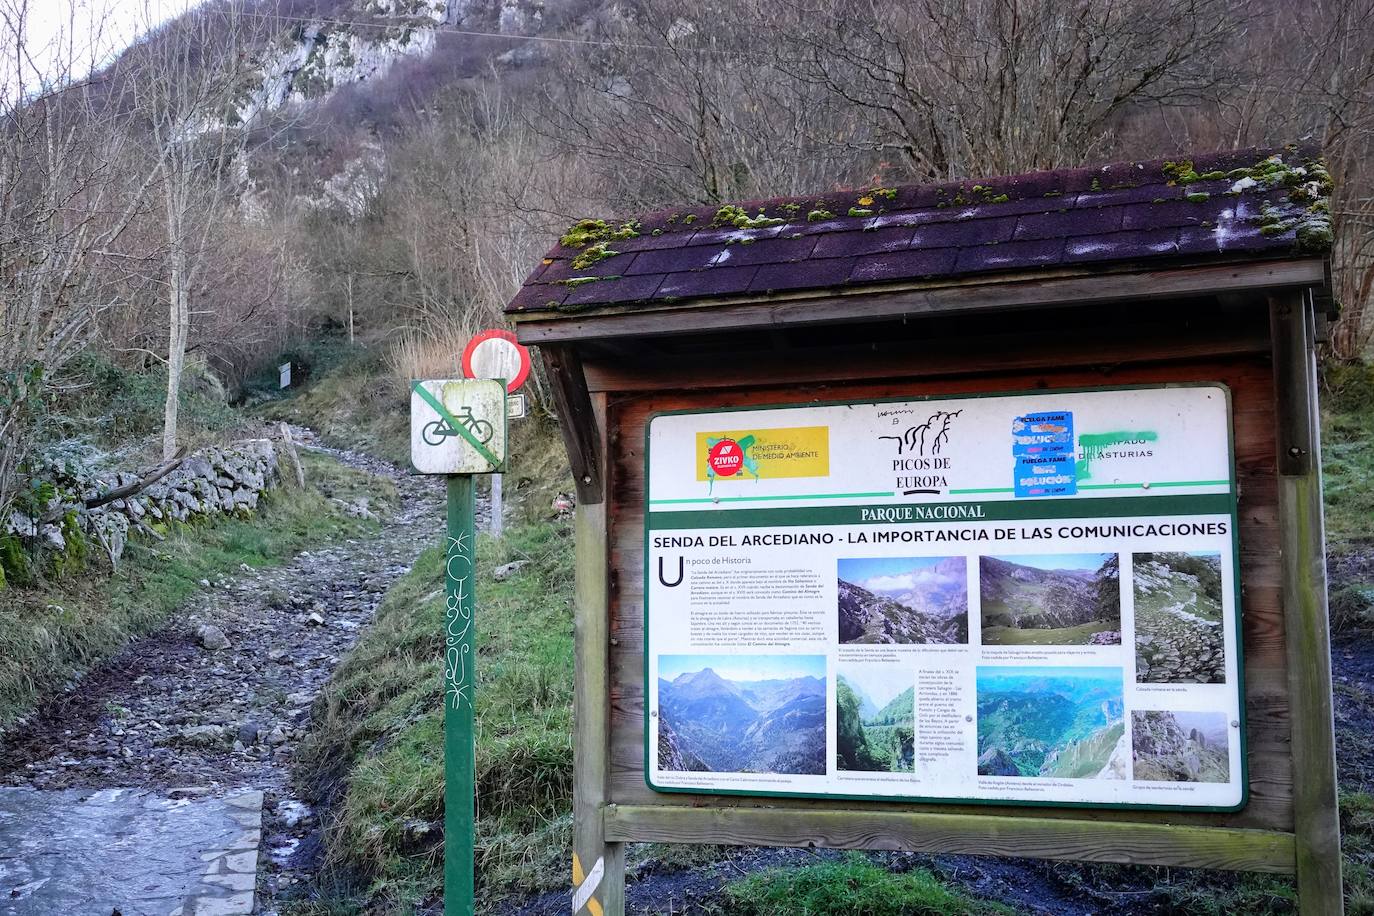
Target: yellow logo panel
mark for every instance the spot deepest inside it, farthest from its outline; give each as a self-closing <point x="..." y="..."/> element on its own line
<point x="763" y="454"/>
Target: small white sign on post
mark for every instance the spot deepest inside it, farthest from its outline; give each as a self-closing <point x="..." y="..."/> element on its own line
<point x="285" y="370"/>
<point x="458" y="426"/>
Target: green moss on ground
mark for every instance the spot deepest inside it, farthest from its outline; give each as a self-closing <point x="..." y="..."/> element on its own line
<point x="51" y="632"/>
<point x="851" y="886"/>
<point x="379" y="732"/>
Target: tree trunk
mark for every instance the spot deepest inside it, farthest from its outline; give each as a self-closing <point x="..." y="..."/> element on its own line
<point x="179" y="322"/>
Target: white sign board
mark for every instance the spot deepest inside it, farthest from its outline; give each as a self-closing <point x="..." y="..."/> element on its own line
<point x="1024" y="598"/>
<point x="458" y="426"/>
<point x="284" y="373"/>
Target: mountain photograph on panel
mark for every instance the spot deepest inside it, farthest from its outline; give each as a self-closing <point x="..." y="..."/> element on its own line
<point x="903" y="600"/>
<point x="875" y="718"/>
<point x="1052" y="722"/>
<point x="1068" y="599"/>
<point x="1180" y="746"/>
<point x="1178" y="608"/>
<point x="742" y="713"/>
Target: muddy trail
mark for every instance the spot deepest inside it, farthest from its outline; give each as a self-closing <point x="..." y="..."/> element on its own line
<point x="190" y="712"/>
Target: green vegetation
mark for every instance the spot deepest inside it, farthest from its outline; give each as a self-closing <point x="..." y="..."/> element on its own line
<point x="110" y="406"/>
<point x="730" y="215"/>
<point x="1049" y="636"/>
<point x="361" y="405"/>
<point x="586" y="232"/>
<point x="882" y="742"/>
<point x="51" y="632"/>
<point x="1348" y="453"/>
<point x="358" y="405"/>
<point x="379" y="729"/>
<point x="591" y="255"/>
<point x="850" y="886"/>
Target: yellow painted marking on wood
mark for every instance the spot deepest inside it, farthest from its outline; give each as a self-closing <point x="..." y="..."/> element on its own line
<point x="585" y="885"/>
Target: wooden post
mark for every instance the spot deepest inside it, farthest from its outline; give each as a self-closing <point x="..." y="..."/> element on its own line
<point x="1303" y="548"/>
<point x="293" y="460"/>
<point x="598" y="867"/>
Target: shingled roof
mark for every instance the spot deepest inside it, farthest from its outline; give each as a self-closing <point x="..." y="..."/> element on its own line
<point x="1245" y="204"/>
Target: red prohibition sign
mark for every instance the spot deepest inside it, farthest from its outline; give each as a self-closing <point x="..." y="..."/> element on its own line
<point x="495" y="353"/>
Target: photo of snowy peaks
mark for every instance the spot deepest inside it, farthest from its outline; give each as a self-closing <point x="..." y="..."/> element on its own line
<point x="904" y="600"/>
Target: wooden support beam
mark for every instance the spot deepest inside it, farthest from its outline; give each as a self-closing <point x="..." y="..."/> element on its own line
<point x="1302" y="540"/>
<point x="576" y="419"/>
<point x="1081" y="840"/>
<point x="874" y="304"/>
<point x="596" y="863"/>
<point x="921" y="358"/>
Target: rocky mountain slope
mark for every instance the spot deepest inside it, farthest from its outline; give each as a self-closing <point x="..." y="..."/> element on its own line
<point x="912" y="617"/>
<point x="1027" y="597"/>
<point x="768" y="726"/>
<point x="1179" y="634"/>
<point x="1166" y="750"/>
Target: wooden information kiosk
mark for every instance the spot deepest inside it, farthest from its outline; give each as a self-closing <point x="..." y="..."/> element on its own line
<point x="973" y="518"/>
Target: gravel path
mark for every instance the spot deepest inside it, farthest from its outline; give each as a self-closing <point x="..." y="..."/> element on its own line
<point x="170" y="713"/>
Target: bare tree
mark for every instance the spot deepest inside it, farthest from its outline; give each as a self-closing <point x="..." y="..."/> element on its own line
<point x="69" y="192"/>
<point x="1308" y="73"/>
<point x="955" y="88"/>
<point x="684" y="104"/>
<point x="189" y="76"/>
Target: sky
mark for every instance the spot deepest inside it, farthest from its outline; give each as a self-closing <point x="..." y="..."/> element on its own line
<point x="881" y="683"/>
<point x="86" y="33"/>
<point x="744" y="667"/>
<point x="1089" y="561"/>
<point x="896" y="574"/>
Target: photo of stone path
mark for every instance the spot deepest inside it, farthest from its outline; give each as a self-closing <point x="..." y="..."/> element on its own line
<point x="1178" y="619"/>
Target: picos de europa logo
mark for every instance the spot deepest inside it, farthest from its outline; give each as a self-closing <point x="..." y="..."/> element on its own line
<point x="758" y="454"/>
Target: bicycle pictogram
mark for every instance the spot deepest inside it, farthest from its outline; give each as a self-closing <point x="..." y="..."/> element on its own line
<point x="436" y="431"/>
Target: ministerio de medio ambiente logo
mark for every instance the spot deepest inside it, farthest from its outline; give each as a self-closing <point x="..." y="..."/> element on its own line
<point x="757" y="454"/>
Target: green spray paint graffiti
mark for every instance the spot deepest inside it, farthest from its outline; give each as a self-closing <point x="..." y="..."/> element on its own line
<point x="749" y="463"/>
<point x="1091" y="446"/>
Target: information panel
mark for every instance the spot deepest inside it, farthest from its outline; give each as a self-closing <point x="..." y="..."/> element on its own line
<point x="1025" y="598"/>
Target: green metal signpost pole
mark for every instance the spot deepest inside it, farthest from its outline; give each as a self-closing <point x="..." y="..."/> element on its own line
<point x="459" y="693"/>
<point x="442" y="443"/>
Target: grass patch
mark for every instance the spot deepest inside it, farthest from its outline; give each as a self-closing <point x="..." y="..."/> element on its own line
<point x="1048" y="636"/>
<point x="360" y="405"/>
<point x="377" y="747"/>
<point x="51" y="632"/>
<point x="355" y="405"/>
<point x="1348" y="454"/>
<point x="850" y="886"/>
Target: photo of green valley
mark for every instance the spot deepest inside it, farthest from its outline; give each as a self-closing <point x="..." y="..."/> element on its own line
<point x="1061" y="722"/>
<point x="875" y="719"/>
<point x="1057" y="600"/>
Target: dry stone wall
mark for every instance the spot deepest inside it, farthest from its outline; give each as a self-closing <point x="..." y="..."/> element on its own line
<point x="213" y="481"/>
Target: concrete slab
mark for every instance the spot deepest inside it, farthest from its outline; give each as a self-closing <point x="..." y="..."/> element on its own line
<point x="126" y="851"/>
